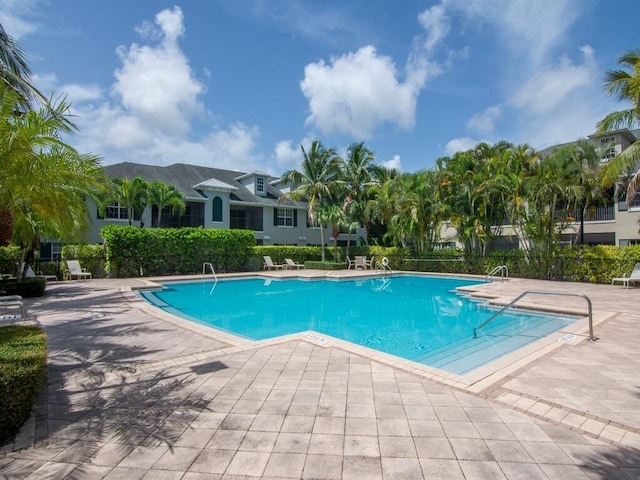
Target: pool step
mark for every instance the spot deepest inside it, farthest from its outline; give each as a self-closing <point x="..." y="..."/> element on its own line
<point x="469" y="353"/>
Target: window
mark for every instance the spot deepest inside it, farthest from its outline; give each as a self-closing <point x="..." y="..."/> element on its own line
<point x="116" y="212"/>
<point x="259" y="185"/>
<point x="217" y="209"/>
<point x="285" y="217"/>
<point x="627" y="242"/>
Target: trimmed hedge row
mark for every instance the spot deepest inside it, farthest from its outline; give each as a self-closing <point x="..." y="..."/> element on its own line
<point x="133" y="251"/>
<point x="23" y="365"/>
<point x="29" y="287"/>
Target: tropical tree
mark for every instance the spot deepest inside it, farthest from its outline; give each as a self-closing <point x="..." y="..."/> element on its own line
<point x="315" y="183"/>
<point x="161" y="195"/>
<point x="130" y="194"/>
<point x="624" y="84"/>
<point x="359" y="174"/>
<point x="44" y="180"/>
<point x="15" y="73"/>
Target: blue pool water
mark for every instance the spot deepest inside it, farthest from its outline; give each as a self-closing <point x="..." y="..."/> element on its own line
<point x="414" y="317"/>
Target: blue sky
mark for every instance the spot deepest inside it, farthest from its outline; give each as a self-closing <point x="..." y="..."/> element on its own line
<point x="242" y="84"/>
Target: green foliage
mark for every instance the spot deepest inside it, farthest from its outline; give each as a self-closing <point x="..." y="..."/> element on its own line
<point x="23" y="365"/>
<point x="133" y="251"/>
<point x="29" y="287"/>
<point x="325" y="265"/>
<point x="279" y="252"/>
<point x="91" y="257"/>
<point x="8" y="257"/>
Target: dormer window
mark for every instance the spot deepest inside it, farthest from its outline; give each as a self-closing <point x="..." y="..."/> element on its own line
<point x="259" y="185"/>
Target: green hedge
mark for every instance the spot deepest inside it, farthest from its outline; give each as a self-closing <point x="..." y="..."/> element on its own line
<point x="29" y="287"/>
<point x="90" y="256"/>
<point x="134" y="251"/>
<point x="23" y="365"/>
<point x="9" y="256"/>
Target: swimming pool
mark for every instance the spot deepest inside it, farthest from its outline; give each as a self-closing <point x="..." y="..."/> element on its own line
<point x="414" y="317"/>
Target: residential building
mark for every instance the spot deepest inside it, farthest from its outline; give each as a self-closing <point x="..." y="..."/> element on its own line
<point x="217" y="198"/>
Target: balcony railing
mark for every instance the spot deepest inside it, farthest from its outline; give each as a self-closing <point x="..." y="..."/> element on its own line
<point x="592" y="214"/>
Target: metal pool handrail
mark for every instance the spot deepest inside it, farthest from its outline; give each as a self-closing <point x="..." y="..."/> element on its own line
<point x="213" y="272"/>
<point x="502" y="269"/>
<point x="542" y="292"/>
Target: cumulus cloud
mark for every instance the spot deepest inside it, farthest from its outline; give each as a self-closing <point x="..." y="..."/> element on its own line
<point x="553" y="85"/>
<point x="485" y="122"/>
<point x="357" y="92"/>
<point x="394" y="163"/>
<point x="460" y="145"/>
<point x="12" y="17"/>
<point x="286" y="154"/>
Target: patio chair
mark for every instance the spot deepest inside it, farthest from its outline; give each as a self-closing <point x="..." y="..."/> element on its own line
<point x="634" y="277"/>
<point x="352" y="263"/>
<point x="369" y="263"/>
<point x="291" y="265"/>
<point x="31" y="274"/>
<point x="14" y="301"/>
<point x="269" y="265"/>
<point x="77" y="272"/>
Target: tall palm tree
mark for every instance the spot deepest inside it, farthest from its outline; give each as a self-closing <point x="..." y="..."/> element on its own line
<point x="44" y="180"/>
<point x="132" y="195"/>
<point x="624" y="84"/>
<point x="161" y="195"/>
<point x="15" y="72"/>
<point x="359" y="173"/>
<point x="316" y="183"/>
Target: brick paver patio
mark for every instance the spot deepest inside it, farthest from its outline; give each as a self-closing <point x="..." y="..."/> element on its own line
<point x="133" y="394"/>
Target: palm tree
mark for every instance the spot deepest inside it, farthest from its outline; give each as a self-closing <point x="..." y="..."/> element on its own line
<point x="132" y="195"/>
<point x="15" y="72"/>
<point x="44" y="180"/>
<point x="624" y="84"/>
<point x="315" y="183"/>
<point x="359" y="174"/>
<point x="161" y="195"/>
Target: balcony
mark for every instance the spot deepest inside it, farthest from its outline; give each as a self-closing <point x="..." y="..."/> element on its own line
<point x="605" y="213"/>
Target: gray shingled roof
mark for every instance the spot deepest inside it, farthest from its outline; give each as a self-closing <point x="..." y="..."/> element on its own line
<point x="185" y="177"/>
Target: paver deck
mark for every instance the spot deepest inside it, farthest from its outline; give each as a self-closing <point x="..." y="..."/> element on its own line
<point x="133" y="393"/>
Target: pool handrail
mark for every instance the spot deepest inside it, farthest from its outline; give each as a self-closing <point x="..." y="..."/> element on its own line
<point x="213" y="272"/>
<point x="542" y="292"/>
<point x="502" y="270"/>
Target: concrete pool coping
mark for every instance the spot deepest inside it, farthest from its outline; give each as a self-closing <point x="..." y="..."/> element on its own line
<point x="572" y="410"/>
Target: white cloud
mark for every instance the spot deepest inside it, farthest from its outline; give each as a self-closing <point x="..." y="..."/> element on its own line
<point x="485" y="122"/>
<point x="532" y="28"/>
<point x="393" y="163"/>
<point x="155" y="83"/>
<point x="551" y="87"/>
<point x="356" y="93"/>
<point x="12" y="17"/>
<point x="286" y="154"/>
<point x="460" y="145"/>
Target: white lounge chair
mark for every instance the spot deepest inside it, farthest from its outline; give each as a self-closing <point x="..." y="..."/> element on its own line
<point x="75" y="271"/>
<point x="269" y="265"/>
<point x="291" y="265"/>
<point x="625" y="281"/>
<point x="31" y="274"/>
<point x="14" y="301"/>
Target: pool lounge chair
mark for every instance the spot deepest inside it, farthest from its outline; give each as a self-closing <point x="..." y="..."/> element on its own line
<point x="269" y="265"/>
<point x="14" y="301"/>
<point x="291" y="265"/>
<point x="77" y="272"/>
<point x="31" y="274"/>
<point x="625" y="281"/>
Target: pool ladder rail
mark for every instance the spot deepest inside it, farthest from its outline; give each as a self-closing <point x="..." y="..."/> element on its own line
<point x="542" y="292"/>
<point x="384" y="266"/>
<point x="503" y="270"/>
<point x="211" y="269"/>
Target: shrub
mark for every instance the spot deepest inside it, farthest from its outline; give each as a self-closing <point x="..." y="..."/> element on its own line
<point x="9" y="256"/>
<point x="91" y="257"/>
<point x="134" y="251"/>
<point x="23" y="364"/>
<point x="29" y="287"/>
